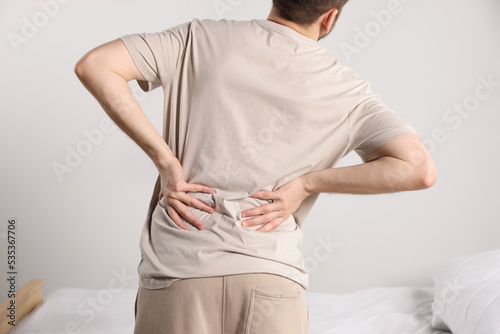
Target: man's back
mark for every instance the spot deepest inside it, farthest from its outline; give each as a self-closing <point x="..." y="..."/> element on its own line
<point x="249" y="105"/>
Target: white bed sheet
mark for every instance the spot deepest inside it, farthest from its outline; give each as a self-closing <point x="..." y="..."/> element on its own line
<point x="383" y="310"/>
<point x="81" y="311"/>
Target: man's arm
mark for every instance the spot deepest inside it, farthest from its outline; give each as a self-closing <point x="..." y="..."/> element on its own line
<point x="401" y="164"/>
<point x="105" y="71"/>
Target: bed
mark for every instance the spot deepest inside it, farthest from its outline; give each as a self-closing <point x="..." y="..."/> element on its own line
<point x="377" y="310"/>
<point x="465" y="299"/>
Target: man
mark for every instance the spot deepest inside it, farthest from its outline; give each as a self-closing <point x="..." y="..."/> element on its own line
<point x="256" y="115"/>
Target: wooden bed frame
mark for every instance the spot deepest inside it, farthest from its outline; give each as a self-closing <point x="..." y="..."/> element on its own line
<point x="26" y="298"/>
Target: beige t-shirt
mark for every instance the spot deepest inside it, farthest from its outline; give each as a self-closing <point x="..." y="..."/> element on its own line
<point x="249" y="105"/>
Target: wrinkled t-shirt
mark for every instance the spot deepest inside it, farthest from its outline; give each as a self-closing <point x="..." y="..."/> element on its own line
<point x="248" y="105"/>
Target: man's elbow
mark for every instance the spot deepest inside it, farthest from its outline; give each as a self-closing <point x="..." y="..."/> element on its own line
<point x="81" y="68"/>
<point x="79" y="71"/>
<point x="426" y="176"/>
<point x="87" y="64"/>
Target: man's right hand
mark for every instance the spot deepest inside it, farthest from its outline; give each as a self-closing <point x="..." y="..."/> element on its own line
<point x="285" y="201"/>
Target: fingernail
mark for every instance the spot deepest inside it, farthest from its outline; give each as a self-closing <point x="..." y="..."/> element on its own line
<point x="243" y="224"/>
<point x="243" y="214"/>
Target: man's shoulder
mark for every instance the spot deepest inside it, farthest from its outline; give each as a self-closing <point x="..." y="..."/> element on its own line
<point x="221" y="23"/>
<point x="204" y="28"/>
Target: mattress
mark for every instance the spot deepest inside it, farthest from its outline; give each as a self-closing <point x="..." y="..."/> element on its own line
<point x="381" y="310"/>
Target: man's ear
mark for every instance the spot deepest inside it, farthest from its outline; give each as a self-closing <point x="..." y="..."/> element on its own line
<point x="328" y="20"/>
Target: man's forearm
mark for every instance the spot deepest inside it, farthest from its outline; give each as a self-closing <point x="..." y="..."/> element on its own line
<point x="383" y="175"/>
<point x="116" y="98"/>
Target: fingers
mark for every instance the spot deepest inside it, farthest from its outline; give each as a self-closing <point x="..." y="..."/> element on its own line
<point x="192" y="219"/>
<point x="265" y="194"/>
<point x="183" y="196"/>
<point x="175" y="217"/>
<point x="265" y="208"/>
<point x="259" y="210"/>
<point x="194" y="202"/>
<point x="177" y="200"/>
<point x="265" y="213"/>
<point x="262" y="219"/>
<point x="193" y="187"/>
<point x="175" y="214"/>
<point x="271" y="225"/>
<point x="180" y="209"/>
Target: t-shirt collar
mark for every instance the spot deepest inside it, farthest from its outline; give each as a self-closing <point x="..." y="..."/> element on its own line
<point x="287" y="31"/>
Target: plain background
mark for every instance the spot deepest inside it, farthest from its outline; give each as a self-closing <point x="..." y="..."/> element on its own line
<point x="83" y="230"/>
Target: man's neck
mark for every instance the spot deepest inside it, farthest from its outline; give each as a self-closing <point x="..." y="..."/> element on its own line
<point x="308" y="32"/>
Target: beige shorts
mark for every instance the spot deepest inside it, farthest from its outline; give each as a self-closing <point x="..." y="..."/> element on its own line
<point x="257" y="303"/>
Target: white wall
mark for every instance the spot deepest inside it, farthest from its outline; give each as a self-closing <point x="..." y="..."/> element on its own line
<point x="80" y="232"/>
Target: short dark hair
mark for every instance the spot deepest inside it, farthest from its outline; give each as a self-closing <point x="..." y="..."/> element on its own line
<point x="305" y="12"/>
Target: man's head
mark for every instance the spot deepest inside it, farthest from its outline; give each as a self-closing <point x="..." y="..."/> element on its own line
<point x="310" y="13"/>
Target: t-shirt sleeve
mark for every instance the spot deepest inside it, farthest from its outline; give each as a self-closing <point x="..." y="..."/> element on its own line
<point x="157" y="55"/>
<point x="372" y="124"/>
